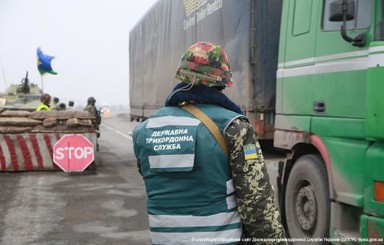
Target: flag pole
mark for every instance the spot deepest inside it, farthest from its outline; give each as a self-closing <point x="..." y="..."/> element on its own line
<point x="42" y="83"/>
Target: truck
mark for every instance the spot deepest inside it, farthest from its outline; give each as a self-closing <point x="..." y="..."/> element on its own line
<point x="309" y="76"/>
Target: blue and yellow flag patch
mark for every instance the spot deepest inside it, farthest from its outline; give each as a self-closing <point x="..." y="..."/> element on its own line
<point x="250" y="151"/>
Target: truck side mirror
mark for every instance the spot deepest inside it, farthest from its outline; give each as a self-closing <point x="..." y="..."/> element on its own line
<point x="337" y="12"/>
<point x="344" y="10"/>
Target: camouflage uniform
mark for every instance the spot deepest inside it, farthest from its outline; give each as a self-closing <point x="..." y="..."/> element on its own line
<point x="91" y="109"/>
<point x="256" y="204"/>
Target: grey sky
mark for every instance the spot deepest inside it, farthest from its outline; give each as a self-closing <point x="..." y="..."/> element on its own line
<point x="88" y="38"/>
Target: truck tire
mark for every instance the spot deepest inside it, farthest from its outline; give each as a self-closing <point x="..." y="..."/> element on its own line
<point x="307" y="203"/>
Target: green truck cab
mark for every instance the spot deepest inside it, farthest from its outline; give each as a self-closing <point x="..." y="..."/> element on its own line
<point x="330" y="119"/>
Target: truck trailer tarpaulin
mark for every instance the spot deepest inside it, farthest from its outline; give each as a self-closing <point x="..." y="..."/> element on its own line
<point x="159" y="39"/>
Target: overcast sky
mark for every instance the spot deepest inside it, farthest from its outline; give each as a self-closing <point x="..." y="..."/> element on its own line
<point x="88" y="38"/>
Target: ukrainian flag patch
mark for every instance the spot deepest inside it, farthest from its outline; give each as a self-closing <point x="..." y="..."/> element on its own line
<point x="250" y="151"/>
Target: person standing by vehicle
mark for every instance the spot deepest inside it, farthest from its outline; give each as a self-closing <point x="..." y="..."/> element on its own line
<point x="45" y="101"/>
<point x="91" y="108"/>
<point x="204" y="172"/>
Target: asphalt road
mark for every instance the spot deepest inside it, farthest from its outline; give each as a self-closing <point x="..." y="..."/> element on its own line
<point x="102" y="206"/>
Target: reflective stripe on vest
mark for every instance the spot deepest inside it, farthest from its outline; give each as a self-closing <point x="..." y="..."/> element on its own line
<point x="231" y="198"/>
<point x="171" y="161"/>
<point x="172" y="120"/>
<point x="220" y="219"/>
<point x="204" y="229"/>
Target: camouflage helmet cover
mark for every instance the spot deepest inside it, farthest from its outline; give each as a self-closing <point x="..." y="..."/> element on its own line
<point x="205" y="63"/>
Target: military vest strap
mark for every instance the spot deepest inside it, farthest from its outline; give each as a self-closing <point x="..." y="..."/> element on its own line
<point x="209" y="124"/>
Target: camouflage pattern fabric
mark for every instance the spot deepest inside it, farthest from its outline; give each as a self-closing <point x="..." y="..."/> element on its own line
<point x="94" y="112"/>
<point x="91" y="109"/>
<point x="255" y="196"/>
<point x="205" y="63"/>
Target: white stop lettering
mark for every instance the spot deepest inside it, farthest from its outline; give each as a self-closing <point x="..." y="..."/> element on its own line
<point x="73" y="152"/>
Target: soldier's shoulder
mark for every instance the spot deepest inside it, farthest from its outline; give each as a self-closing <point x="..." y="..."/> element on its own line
<point x="237" y="125"/>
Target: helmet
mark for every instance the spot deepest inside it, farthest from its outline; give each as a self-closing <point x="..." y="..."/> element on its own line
<point x="91" y="100"/>
<point x="205" y="63"/>
<point x="45" y="98"/>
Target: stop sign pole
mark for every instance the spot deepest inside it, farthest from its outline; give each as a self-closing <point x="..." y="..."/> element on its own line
<point x="73" y="153"/>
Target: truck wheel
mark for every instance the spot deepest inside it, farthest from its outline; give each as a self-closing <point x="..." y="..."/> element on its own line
<point x="307" y="203"/>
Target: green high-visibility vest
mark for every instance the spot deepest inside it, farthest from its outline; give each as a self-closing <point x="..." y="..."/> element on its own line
<point x="43" y="107"/>
<point x="187" y="178"/>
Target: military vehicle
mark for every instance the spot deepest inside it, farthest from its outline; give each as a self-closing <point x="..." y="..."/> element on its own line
<point x="24" y="96"/>
<point x="27" y="137"/>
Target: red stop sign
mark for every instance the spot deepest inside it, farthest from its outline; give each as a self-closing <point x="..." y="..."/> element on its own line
<point x="73" y="153"/>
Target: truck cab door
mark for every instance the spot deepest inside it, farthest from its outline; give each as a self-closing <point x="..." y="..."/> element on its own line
<point x="341" y="66"/>
<point x="299" y="53"/>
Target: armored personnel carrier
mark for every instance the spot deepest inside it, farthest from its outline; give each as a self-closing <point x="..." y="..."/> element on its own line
<point x="27" y="137"/>
<point x="23" y="96"/>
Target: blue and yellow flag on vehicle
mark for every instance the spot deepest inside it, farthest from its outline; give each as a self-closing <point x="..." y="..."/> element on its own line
<point x="44" y="63"/>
